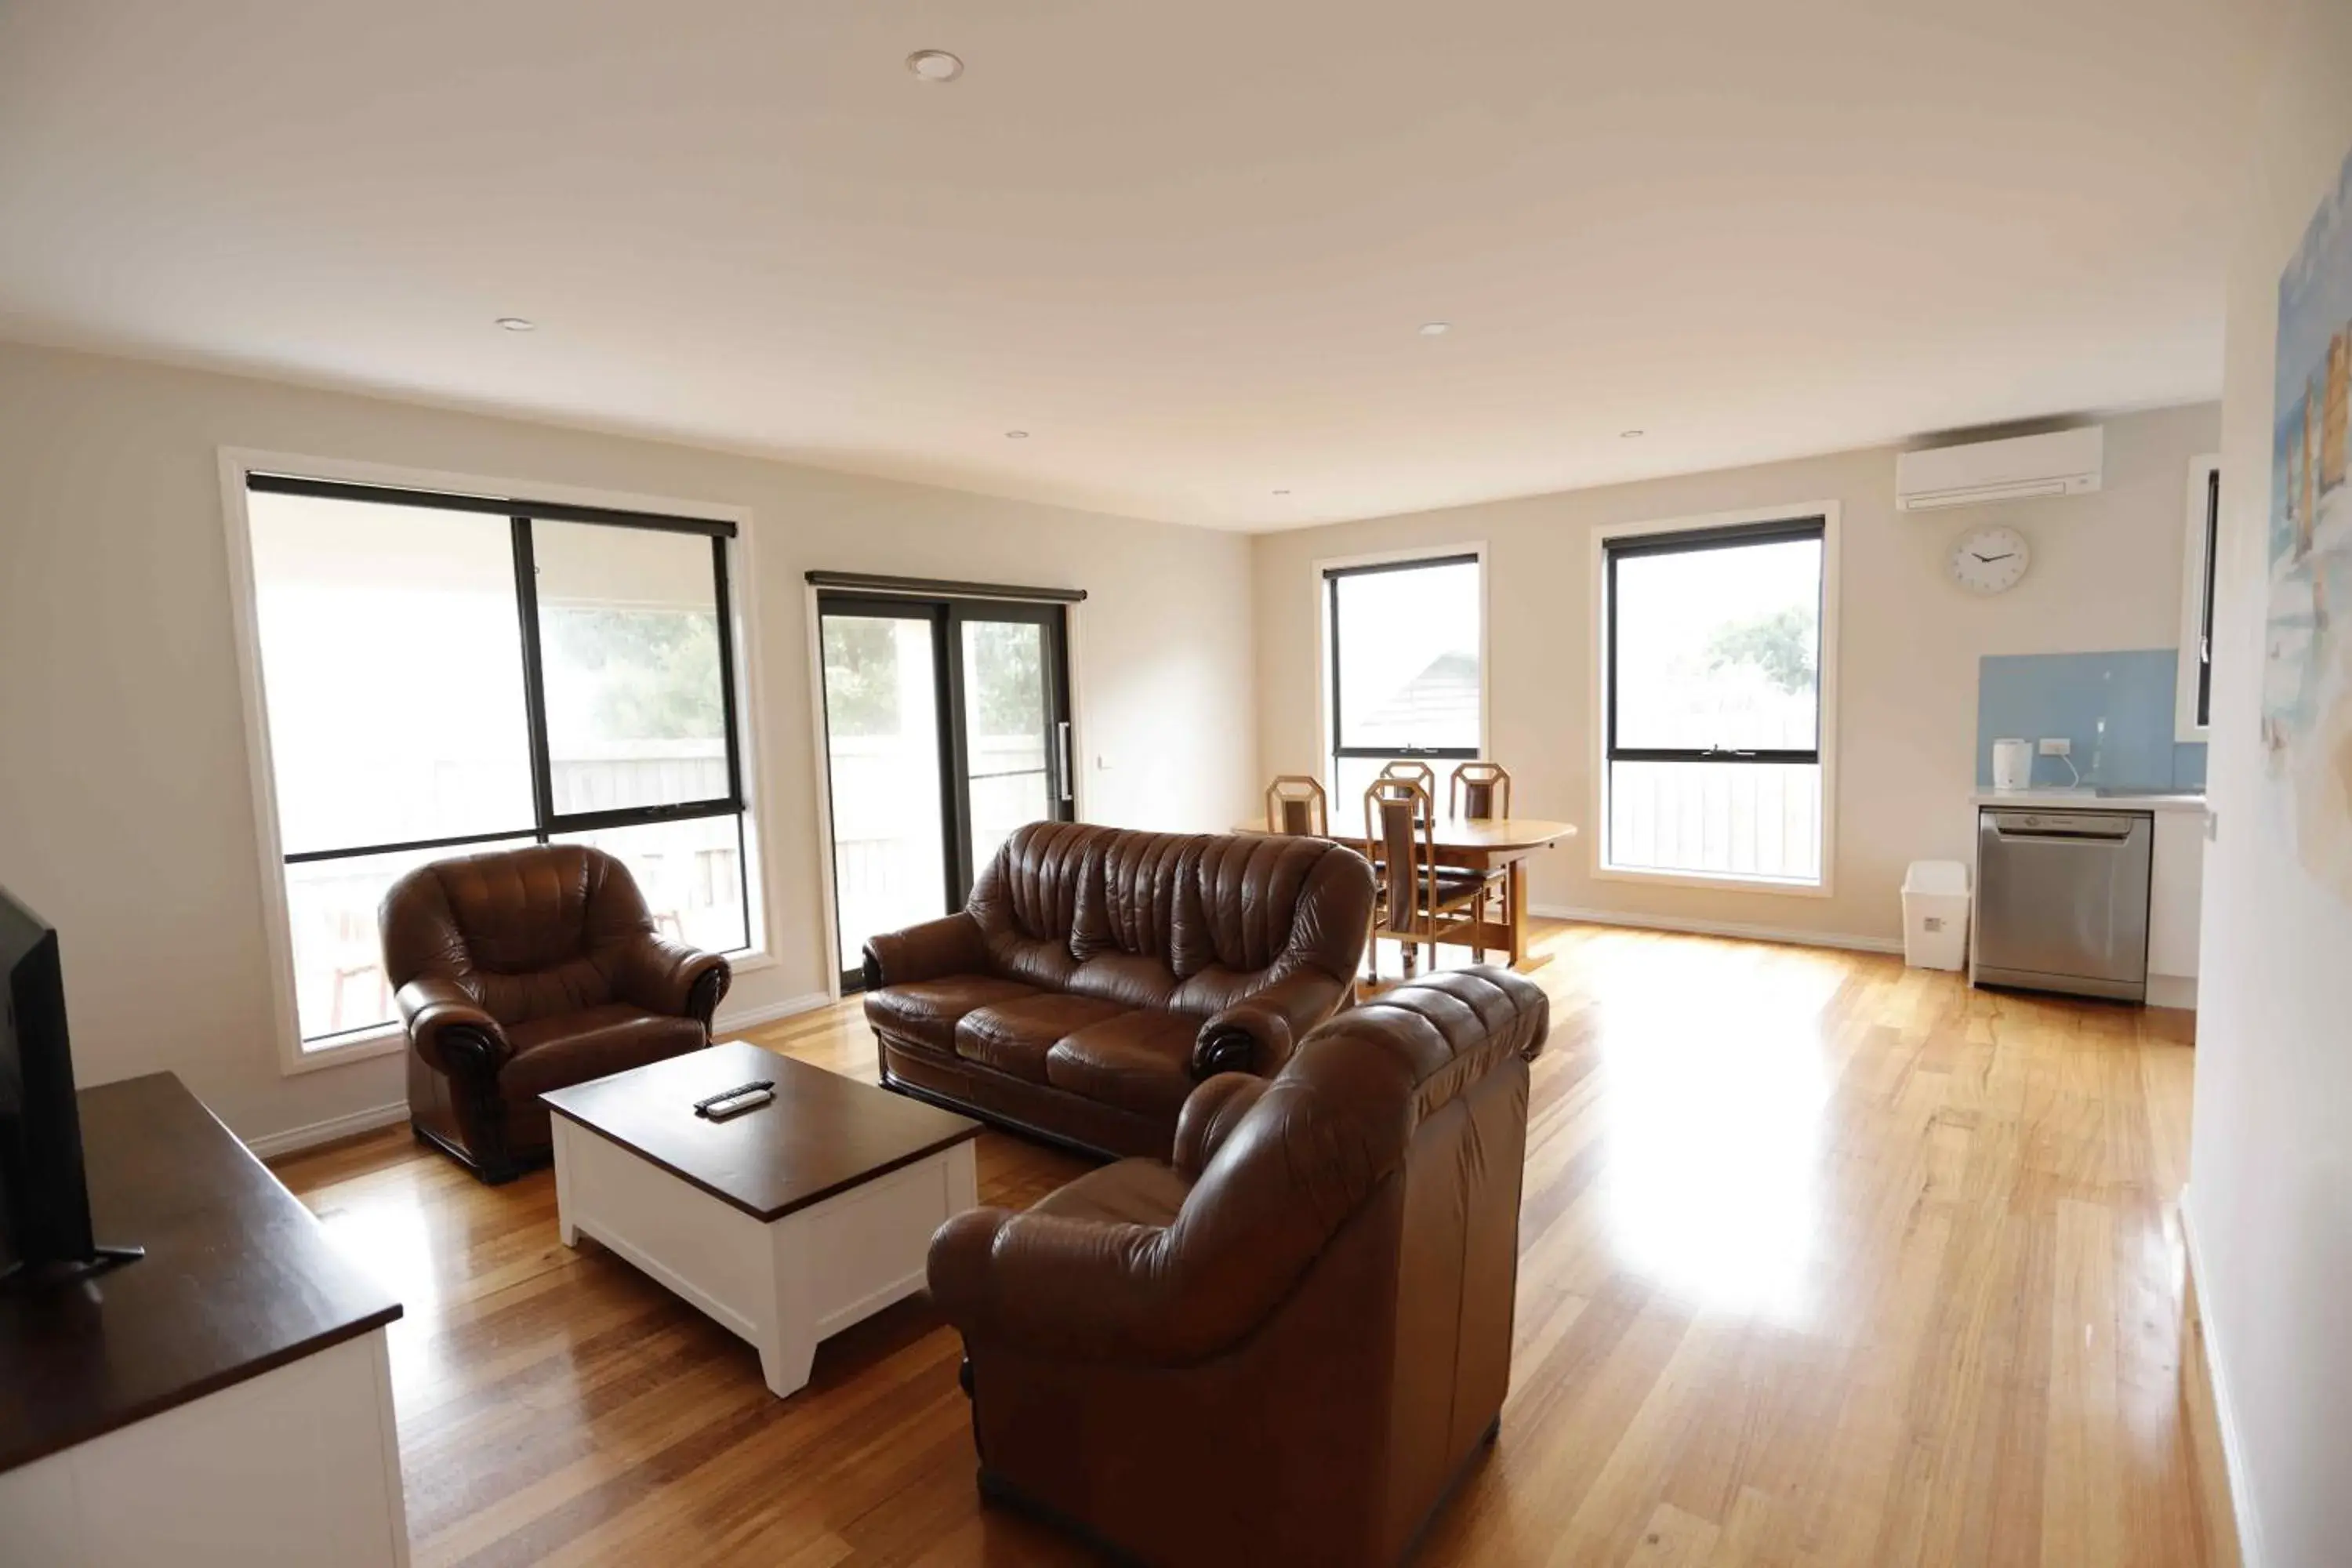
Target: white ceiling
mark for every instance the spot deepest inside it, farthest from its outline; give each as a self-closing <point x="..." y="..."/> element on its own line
<point x="1188" y="245"/>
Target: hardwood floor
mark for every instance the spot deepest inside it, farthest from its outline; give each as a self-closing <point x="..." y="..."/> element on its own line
<point x="1823" y="1261"/>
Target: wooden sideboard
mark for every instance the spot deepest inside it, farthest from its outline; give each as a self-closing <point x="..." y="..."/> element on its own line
<point x="227" y="1398"/>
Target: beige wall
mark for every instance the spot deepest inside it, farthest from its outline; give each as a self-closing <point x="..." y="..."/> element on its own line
<point x="2107" y="575"/>
<point x="126" y="813"/>
<point x="2270" y="1188"/>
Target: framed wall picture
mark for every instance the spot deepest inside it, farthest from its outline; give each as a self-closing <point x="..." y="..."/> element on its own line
<point x="2306" y="710"/>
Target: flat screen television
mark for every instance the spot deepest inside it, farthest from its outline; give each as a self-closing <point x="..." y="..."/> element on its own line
<point x="44" y="1231"/>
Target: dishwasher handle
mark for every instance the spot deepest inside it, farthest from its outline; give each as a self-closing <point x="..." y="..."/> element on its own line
<point x="2103" y="825"/>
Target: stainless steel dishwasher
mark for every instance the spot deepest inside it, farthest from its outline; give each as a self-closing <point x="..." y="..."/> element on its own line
<point x="2062" y="901"/>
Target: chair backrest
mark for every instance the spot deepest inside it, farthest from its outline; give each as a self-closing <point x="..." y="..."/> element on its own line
<point x="1403" y="836"/>
<point x="521" y="929"/>
<point x="1295" y="803"/>
<point x="1357" y="1212"/>
<point x="1417" y="771"/>
<point x="1479" y="789"/>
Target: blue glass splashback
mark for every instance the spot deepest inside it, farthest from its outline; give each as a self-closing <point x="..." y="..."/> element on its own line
<point x="2118" y="709"/>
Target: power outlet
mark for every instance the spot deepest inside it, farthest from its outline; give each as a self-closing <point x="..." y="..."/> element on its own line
<point x="2057" y="748"/>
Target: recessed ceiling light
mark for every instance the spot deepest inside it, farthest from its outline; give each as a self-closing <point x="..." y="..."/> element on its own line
<point x="935" y="65"/>
<point x="1436" y="328"/>
<point x="517" y="324"/>
<point x="1629" y="435"/>
<point x="1016" y="435"/>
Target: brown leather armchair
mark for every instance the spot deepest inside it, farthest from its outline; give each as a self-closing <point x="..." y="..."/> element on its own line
<point x="526" y="971"/>
<point x="1097" y="974"/>
<point x="1287" y="1343"/>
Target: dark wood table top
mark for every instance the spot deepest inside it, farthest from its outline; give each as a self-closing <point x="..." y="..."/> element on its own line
<point x="239" y="1279"/>
<point x="821" y="1135"/>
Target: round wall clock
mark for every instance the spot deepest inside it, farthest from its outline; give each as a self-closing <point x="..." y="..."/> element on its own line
<point x="1990" y="559"/>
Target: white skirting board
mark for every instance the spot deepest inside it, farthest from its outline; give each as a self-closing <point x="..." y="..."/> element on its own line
<point x="2163" y="990"/>
<point x="727" y="1021"/>
<point x="1721" y="928"/>
<point x="2233" y="1452"/>
<point x="270" y="1145"/>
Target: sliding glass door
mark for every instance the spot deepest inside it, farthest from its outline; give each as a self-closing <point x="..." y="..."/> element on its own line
<point x="1015" y="731"/>
<point x="885" y="746"/>
<point x="947" y="726"/>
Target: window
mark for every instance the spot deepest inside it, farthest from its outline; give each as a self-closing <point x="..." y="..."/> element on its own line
<point x="2194" y="697"/>
<point x="447" y="675"/>
<point x="1713" y="665"/>
<point x="1406" y="678"/>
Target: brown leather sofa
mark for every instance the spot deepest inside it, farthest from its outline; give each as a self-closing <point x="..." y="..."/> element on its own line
<point x="526" y="971"/>
<point x="1095" y="976"/>
<point x="1286" y="1345"/>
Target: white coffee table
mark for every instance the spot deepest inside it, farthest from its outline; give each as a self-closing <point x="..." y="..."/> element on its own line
<point x="786" y="1223"/>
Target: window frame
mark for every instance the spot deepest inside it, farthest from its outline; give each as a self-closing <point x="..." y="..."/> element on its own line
<point x="947" y="615"/>
<point x="1328" y="574"/>
<point x="519" y="503"/>
<point x="1721" y="529"/>
<point x="2200" y="560"/>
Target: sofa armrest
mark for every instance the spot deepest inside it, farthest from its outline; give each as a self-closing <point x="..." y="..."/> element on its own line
<point x="950" y="945"/>
<point x="1211" y="1113"/>
<point x="671" y="978"/>
<point x="1256" y="1034"/>
<point x="449" y="1029"/>
<point x="1053" y="1284"/>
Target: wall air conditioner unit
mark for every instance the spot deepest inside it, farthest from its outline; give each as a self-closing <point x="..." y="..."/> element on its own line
<point x="2063" y="463"/>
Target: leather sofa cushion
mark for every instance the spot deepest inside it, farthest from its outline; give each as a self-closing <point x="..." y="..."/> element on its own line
<point x="1129" y="905"/>
<point x="1013" y="1036"/>
<point x="1257" y="897"/>
<point x="1137" y="1061"/>
<point x="1132" y="1192"/>
<point x="1129" y="979"/>
<point x="572" y="1047"/>
<point x="927" y="1011"/>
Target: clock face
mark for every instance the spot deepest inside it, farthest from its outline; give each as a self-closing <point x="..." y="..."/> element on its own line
<point x="1990" y="559"/>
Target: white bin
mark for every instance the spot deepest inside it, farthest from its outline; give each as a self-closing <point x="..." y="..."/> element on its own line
<point x="1935" y="915"/>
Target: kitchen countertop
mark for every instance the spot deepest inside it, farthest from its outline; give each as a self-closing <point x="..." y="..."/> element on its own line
<point x="2089" y="799"/>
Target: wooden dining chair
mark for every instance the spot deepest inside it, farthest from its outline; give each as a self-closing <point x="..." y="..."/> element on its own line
<point x="1296" y="803"/>
<point x="1483" y="790"/>
<point x="1418" y="900"/>
<point x="1419" y="772"/>
<point x="1479" y="789"/>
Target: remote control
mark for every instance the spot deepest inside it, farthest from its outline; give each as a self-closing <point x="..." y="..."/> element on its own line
<point x="745" y="1097"/>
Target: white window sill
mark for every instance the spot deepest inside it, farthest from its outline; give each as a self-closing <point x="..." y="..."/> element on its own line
<point x="1726" y="882"/>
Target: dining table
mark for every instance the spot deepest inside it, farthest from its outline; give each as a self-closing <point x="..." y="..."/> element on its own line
<point x="1481" y="843"/>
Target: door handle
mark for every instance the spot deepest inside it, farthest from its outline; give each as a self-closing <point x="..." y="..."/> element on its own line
<point x="1062" y="759"/>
